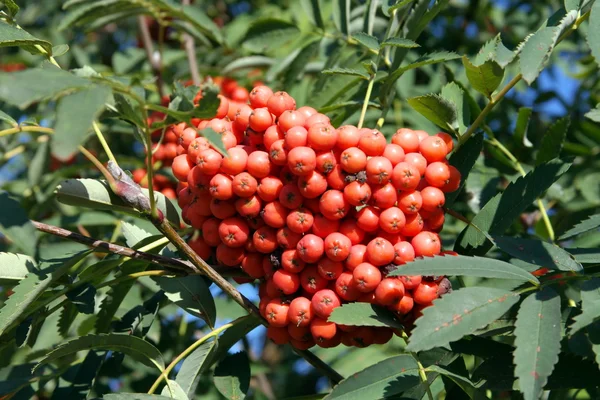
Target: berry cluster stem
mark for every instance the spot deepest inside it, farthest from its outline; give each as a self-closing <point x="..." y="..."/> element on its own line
<point x="363" y="112"/>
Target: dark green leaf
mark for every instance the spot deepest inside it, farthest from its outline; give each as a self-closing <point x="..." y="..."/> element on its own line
<point x="174" y="391"/>
<point x="134" y="396"/>
<point x="29" y="289"/>
<point x="520" y="134"/>
<point x="484" y="78"/>
<point x="369" y="16"/>
<point x="537" y="252"/>
<point x="455" y="95"/>
<point x="305" y="53"/>
<point x="464" y="159"/>
<point x="427" y="59"/>
<point x="74" y="116"/>
<point x="367" y="40"/>
<point x="364" y="314"/>
<point x="593" y="36"/>
<point x="11" y="7"/>
<point x="458" y="314"/>
<point x="585" y="256"/>
<point x="398" y="4"/>
<point x="345" y="71"/>
<point x="537" y="341"/>
<point x="84" y="298"/>
<point x="91" y="193"/>
<point x="590" y="305"/>
<point x="129" y="112"/>
<point x="248" y="62"/>
<point x="436" y="109"/>
<point x="232" y="376"/>
<point x="385" y="379"/>
<point x="132" y="346"/>
<point x="191" y="294"/>
<point x="499" y="213"/>
<point x="38" y="164"/>
<point x="399" y="42"/>
<point x="464" y="266"/>
<point x="535" y="53"/>
<point x="584" y="226"/>
<point x="341" y="15"/>
<point x="15" y="225"/>
<point x="10" y="35"/>
<point x="193" y="365"/>
<point x="67" y="316"/>
<point x="232" y="336"/>
<point x="553" y="140"/>
<point x="464" y="383"/>
<point x="5" y="117"/>
<point x="32" y="85"/>
<point x="14" y="267"/>
<point x="202" y="22"/>
<point x="138" y="320"/>
<point x="313" y="10"/>
<point x="270" y="33"/>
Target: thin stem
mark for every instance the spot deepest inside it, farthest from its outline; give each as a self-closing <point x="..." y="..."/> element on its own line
<point x="13" y="152"/>
<point x="27" y="128"/>
<point x="190" y="349"/>
<point x="155" y="62"/>
<point x="190" y="50"/>
<point x="363" y="112"/>
<point x="103" y="142"/>
<point x="422" y="373"/>
<point x="99" y="165"/>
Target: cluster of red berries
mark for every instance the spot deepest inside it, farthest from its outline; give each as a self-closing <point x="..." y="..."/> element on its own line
<point x="321" y="215"/>
<point x="169" y="147"/>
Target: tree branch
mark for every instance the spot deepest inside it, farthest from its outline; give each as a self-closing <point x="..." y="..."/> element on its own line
<point x="190" y="50"/>
<point x="155" y="62"/>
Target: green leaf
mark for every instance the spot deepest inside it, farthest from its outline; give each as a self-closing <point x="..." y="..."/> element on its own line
<point x="214" y="139"/>
<point x="232" y="336"/>
<point x="11" y="36"/>
<point x="135" y="396"/>
<point x="464" y="266"/>
<point x="345" y="71"/>
<point x="67" y="316"/>
<point x="464" y="159"/>
<point x="92" y="193"/>
<point x="499" y="213"/>
<point x="455" y="95"/>
<point x="537" y="252"/>
<point x="398" y="4"/>
<point x="385" y="379"/>
<point x="193" y="365"/>
<point x="586" y="225"/>
<point x="364" y="314"/>
<point x="16" y="226"/>
<point x="30" y="288"/>
<point x="202" y="22"/>
<point x="248" y="62"/>
<point x="537" y="341"/>
<point x="520" y="134"/>
<point x="268" y="34"/>
<point x="174" y="391"/>
<point x="313" y="11"/>
<point x="341" y="15"/>
<point x="590" y="305"/>
<point x="38" y="164"/>
<point x="367" y="40"/>
<point x="487" y="51"/>
<point x="458" y="314"/>
<point x="133" y="234"/>
<point x="426" y="59"/>
<point x="572" y="4"/>
<point x="84" y="298"/>
<point x="484" y="78"/>
<point x="593" y="36"/>
<point x="296" y="69"/>
<point x="464" y="383"/>
<point x="436" y="109"/>
<point x="585" y="256"/>
<point x="14" y="267"/>
<point x="398" y="41"/>
<point x="11" y="7"/>
<point x="32" y="85"/>
<point x="132" y="346"/>
<point x="5" y="117"/>
<point x="535" y="53"/>
<point x="553" y="140"/>
<point x="60" y="50"/>
<point x="192" y="295"/>
<point x="232" y="376"/>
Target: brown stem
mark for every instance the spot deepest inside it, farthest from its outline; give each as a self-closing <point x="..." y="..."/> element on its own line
<point x="102" y="245"/>
<point x="155" y="62"/>
<point x="190" y="50"/>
